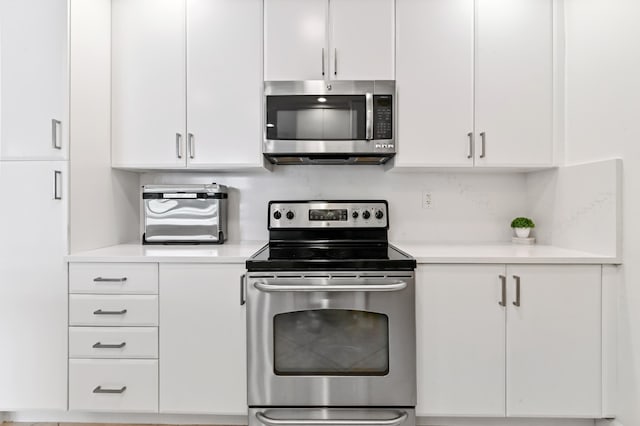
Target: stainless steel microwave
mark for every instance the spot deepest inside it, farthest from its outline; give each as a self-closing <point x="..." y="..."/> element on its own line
<point x="329" y="122"/>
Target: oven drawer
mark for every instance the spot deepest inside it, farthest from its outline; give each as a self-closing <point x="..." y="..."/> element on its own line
<point x="113" y="342"/>
<point x="332" y="416"/>
<point x="113" y="385"/>
<point x="117" y="278"/>
<point x="116" y="310"/>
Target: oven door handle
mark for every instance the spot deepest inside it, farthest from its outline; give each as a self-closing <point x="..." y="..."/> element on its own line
<point x="281" y="286"/>
<point x="330" y="422"/>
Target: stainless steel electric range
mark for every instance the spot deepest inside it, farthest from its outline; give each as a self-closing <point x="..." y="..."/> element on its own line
<point x="331" y="319"/>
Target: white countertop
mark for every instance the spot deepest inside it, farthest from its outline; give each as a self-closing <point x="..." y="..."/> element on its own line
<point x="238" y="252"/>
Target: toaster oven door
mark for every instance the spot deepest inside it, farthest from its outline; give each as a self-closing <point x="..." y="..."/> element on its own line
<point x="193" y="220"/>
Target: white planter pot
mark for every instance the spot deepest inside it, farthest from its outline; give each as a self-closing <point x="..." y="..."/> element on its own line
<point x="522" y="232"/>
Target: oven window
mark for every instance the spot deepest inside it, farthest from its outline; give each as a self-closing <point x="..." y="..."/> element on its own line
<point x="323" y="117"/>
<point x="331" y="342"/>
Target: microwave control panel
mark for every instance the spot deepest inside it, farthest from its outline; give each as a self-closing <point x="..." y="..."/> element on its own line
<point x="383" y="117"/>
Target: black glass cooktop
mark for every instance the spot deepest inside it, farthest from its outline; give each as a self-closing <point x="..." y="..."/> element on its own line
<point x="330" y="257"/>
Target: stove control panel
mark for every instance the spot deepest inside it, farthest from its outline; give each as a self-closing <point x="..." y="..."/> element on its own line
<point x="328" y="214"/>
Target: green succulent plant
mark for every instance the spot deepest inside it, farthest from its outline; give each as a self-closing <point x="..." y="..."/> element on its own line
<point x="522" y="222"/>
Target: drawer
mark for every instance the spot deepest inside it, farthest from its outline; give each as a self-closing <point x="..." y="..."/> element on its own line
<point x="113" y="342"/>
<point x="117" y="310"/>
<point x="122" y="385"/>
<point x="117" y="278"/>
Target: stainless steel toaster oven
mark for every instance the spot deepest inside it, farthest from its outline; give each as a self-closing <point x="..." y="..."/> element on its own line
<point x="185" y="214"/>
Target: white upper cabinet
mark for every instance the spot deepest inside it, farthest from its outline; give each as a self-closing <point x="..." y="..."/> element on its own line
<point x="475" y="83"/>
<point x="434" y="63"/>
<point x="514" y="82"/>
<point x="361" y="39"/>
<point x="554" y="364"/>
<point x="295" y="40"/>
<point x="329" y="39"/>
<point x="34" y="84"/>
<point x="203" y="360"/>
<point x="33" y="286"/>
<point x="148" y="83"/>
<point x="224" y="82"/>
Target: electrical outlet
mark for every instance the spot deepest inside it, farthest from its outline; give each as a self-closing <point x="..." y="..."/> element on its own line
<point x="427" y="200"/>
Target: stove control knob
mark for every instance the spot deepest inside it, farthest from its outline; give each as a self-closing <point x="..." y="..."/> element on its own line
<point x="379" y="214"/>
<point x="366" y="214"/>
<point x="277" y="215"/>
<point x="290" y="215"/>
<point x="354" y="215"/>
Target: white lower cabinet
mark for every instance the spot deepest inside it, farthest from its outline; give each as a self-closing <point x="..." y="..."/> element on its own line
<point x="113" y="342"/>
<point x="202" y="339"/>
<point x="532" y="353"/>
<point x="113" y="385"/>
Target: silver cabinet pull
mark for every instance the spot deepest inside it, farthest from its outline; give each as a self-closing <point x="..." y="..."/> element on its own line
<point x="192" y="145"/>
<point x="369" y="116"/>
<point x="99" y="345"/>
<point x="517" y="301"/>
<point x="243" y="289"/>
<point x="335" y="61"/>
<point x="99" y="389"/>
<point x="365" y="286"/>
<point x="55" y="128"/>
<point x="57" y="185"/>
<point x="503" y="279"/>
<point x="179" y="145"/>
<point x="483" y="140"/>
<point x="323" y="61"/>
<point x="109" y="280"/>
<point x="331" y="422"/>
<point x="101" y="312"/>
<point x="470" y="153"/>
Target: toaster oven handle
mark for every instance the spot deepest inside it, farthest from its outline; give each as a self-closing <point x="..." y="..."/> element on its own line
<point x="369" y="116"/>
<point x="278" y="286"/>
<point x="331" y="422"/>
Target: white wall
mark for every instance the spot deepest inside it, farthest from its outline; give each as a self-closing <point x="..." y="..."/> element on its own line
<point x="603" y="120"/>
<point x="104" y="202"/>
<point x="467" y="207"/>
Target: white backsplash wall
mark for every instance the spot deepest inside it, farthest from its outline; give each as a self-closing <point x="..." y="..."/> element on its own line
<point x="466" y="207"/>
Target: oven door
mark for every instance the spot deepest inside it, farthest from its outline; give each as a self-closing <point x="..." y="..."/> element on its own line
<point x="332" y="340"/>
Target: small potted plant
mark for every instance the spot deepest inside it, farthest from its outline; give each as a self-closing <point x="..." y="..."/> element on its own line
<point x="522" y="226"/>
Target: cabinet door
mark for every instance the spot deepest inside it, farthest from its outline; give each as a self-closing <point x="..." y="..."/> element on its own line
<point x="434" y="64"/>
<point x="362" y="39"/>
<point x="224" y="82"/>
<point x="34" y="80"/>
<point x="554" y="341"/>
<point x="460" y="340"/>
<point x="295" y="40"/>
<point x="514" y="82"/>
<point x="148" y="83"/>
<point x="202" y="339"/>
<point x="33" y="289"/>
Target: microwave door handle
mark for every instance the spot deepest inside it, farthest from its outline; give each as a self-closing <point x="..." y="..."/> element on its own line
<point x="269" y="421"/>
<point x="369" y="116"/>
<point x="270" y="286"/>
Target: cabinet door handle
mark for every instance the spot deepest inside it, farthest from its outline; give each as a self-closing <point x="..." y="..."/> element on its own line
<point x="323" y="61"/>
<point x="517" y="301"/>
<point x="99" y="345"/>
<point x="101" y="312"/>
<point x="109" y="280"/>
<point x="503" y="280"/>
<point x="483" y="140"/>
<point x="55" y="127"/>
<point x="178" y="145"/>
<point x="99" y="389"/>
<point x="57" y="185"/>
<point x="243" y="289"/>
<point x="335" y="61"/>
<point x="470" y="153"/>
<point x="192" y="145"/>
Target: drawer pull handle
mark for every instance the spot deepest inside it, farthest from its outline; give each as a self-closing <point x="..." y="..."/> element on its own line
<point x="99" y="389"/>
<point x="101" y="312"/>
<point x="99" y="345"/>
<point x="109" y="280"/>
